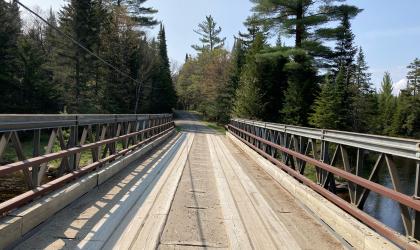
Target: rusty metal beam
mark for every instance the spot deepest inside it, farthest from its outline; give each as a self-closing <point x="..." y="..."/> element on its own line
<point x="25" y="164"/>
<point x="61" y="181"/>
<point x="357" y="213"/>
<point x="377" y="188"/>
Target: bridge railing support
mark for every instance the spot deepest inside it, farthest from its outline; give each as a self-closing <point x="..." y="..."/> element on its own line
<point x="38" y="150"/>
<point x="342" y="161"/>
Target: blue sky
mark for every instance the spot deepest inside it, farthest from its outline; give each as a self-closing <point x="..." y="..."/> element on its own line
<point x="388" y="31"/>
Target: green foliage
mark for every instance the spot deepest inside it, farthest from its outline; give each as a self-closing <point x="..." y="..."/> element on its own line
<point x="42" y="71"/>
<point x="254" y="25"/>
<point x="413" y="77"/>
<point x="345" y="50"/>
<point x="142" y="16"/>
<point x="249" y="95"/>
<point x="10" y="30"/>
<point x="204" y="85"/>
<point x="164" y="96"/>
<point x="329" y="107"/>
<point x="210" y="36"/>
<point x="301" y="90"/>
<point x="361" y="99"/>
<point x="308" y="22"/>
<point x="387" y="105"/>
<point x="406" y="119"/>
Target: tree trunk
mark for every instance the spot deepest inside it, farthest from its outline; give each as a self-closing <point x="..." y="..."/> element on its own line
<point x="299" y="25"/>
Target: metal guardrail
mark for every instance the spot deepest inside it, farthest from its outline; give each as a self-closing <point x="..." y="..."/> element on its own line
<point x="406" y="148"/>
<point x="340" y="158"/>
<point x="101" y="138"/>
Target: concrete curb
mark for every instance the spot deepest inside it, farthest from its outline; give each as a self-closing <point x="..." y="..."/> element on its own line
<point x="14" y="226"/>
<point x="357" y="234"/>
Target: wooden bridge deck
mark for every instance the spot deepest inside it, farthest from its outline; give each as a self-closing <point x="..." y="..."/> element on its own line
<point x="197" y="191"/>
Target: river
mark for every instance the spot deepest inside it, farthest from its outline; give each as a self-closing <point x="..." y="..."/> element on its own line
<point x="387" y="210"/>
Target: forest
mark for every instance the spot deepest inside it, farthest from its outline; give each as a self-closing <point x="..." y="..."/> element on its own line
<point x="322" y="80"/>
<point x="43" y="71"/>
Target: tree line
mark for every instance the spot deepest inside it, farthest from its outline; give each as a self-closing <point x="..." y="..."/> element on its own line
<point x="310" y="83"/>
<point x="43" y="71"/>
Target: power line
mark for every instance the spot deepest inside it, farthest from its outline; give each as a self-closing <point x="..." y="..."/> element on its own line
<point x="77" y="43"/>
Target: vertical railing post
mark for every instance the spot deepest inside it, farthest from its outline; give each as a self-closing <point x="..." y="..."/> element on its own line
<point x="416" y="214"/>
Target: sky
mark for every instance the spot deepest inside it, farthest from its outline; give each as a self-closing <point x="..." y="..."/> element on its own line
<point x="388" y="31"/>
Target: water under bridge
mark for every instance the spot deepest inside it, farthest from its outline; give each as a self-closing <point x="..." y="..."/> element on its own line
<point x="140" y="182"/>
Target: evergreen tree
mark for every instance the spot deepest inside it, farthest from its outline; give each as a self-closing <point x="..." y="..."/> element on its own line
<point x="210" y="35"/>
<point x="386" y="105"/>
<point x="121" y="45"/>
<point x="406" y="118"/>
<point x="10" y="31"/>
<point x="362" y="77"/>
<point x="413" y="77"/>
<point x="165" y="97"/>
<point x="254" y="25"/>
<point x="294" y="16"/>
<point x="78" y="20"/>
<point x="360" y="98"/>
<point x="301" y="90"/>
<point x="305" y="20"/>
<point x="37" y="89"/>
<point x="328" y="105"/>
<point x="226" y="96"/>
<point x="248" y="101"/>
<point x="238" y="61"/>
<point x="143" y="16"/>
<point x="345" y="50"/>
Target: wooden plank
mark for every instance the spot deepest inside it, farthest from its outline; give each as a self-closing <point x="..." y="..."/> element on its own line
<point x="279" y="233"/>
<point x="258" y="233"/>
<point x="149" y="235"/>
<point x="106" y="230"/>
<point x="235" y="229"/>
<point x="133" y="222"/>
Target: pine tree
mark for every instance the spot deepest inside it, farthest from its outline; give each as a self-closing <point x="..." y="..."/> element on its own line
<point x="387" y="105"/>
<point x="165" y="97"/>
<point x="344" y="49"/>
<point x="413" y="77"/>
<point x="294" y="16"/>
<point x="227" y="95"/>
<point x="327" y="106"/>
<point x="305" y="21"/>
<point x="238" y="61"/>
<point x="248" y="101"/>
<point x="78" y="20"/>
<point x="210" y="35"/>
<point x="143" y="16"/>
<point x="362" y="77"/>
<point x="254" y="25"/>
<point x="360" y="98"/>
<point x="120" y="47"/>
<point x="302" y="89"/>
<point x="10" y="31"/>
<point x="406" y="118"/>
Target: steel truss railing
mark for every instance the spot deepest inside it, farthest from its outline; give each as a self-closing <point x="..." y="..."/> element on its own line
<point x="294" y="148"/>
<point x="105" y="137"/>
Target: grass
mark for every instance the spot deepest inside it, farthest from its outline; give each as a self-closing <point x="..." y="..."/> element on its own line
<point x="10" y="155"/>
<point x="310" y="172"/>
<point x="215" y="126"/>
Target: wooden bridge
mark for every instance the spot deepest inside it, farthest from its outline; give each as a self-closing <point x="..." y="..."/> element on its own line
<point x="136" y="182"/>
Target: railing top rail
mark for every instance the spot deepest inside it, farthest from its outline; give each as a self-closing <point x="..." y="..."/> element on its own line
<point x="14" y="122"/>
<point x="407" y="148"/>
